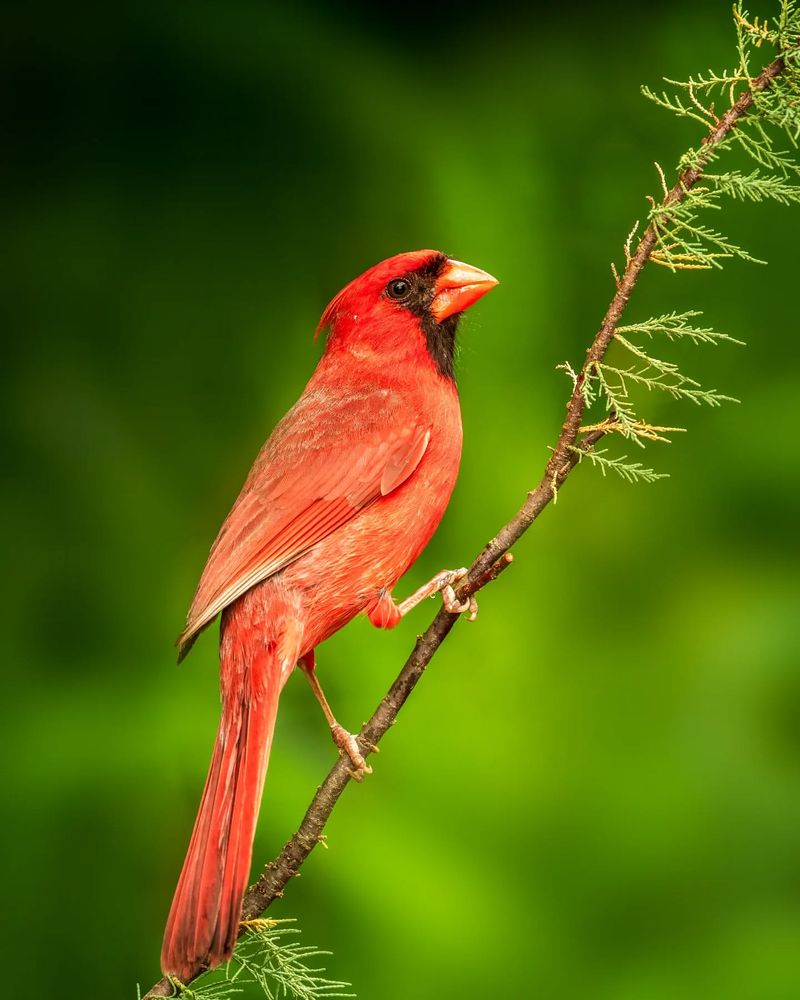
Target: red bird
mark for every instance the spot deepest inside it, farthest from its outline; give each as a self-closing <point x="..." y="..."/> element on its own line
<point x="341" y="500"/>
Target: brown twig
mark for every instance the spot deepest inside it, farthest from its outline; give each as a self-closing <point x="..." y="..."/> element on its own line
<point x="495" y="556"/>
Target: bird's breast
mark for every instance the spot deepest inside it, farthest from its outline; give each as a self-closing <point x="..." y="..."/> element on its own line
<point x="345" y="572"/>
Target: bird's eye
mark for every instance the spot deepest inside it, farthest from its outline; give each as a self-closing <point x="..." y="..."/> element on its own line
<point x="398" y="288"/>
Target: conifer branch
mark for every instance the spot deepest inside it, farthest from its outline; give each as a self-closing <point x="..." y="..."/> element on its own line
<point x="674" y="326"/>
<point x="632" y="472"/>
<point x="671" y="237"/>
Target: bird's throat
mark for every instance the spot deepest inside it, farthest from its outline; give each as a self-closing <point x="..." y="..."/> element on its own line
<point x="440" y="340"/>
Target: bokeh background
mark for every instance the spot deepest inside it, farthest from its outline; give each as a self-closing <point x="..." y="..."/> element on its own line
<point x="594" y="792"/>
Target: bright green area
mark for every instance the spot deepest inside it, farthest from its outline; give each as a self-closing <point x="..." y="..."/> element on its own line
<point x="594" y="793"/>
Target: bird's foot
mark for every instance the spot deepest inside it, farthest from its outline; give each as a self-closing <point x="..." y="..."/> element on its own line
<point x="348" y="746"/>
<point x="454" y="606"/>
<point x="443" y="583"/>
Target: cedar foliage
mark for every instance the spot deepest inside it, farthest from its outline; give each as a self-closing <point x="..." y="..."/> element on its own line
<point x="768" y="135"/>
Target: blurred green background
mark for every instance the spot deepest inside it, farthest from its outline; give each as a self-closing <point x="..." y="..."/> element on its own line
<point x="594" y="792"/>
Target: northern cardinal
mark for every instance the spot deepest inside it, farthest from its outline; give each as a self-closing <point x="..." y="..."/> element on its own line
<point x="341" y="500"/>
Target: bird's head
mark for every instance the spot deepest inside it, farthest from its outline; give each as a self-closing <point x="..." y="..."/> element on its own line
<point x="406" y="306"/>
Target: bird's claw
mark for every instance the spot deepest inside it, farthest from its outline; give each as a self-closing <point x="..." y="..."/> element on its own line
<point x="366" y="743"/>
<point x="348" y="746"/>
<point x="456" y="607"/>
<point x="450" y="577"/>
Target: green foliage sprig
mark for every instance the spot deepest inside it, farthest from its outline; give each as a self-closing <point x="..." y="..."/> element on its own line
<point x="681" y="242"/>
<point x="270" y="958"/>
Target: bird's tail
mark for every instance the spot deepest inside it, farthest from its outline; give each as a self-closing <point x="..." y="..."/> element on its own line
<point x="204" y="918"/>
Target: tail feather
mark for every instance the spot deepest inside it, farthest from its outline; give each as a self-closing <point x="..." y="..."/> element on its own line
<point x="204" y="918"/>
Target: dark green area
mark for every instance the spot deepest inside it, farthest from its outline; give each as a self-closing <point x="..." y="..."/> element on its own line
<point x="594" y="793"/>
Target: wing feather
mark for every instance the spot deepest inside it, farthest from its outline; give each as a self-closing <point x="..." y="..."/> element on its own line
<point x="303" y="487"/>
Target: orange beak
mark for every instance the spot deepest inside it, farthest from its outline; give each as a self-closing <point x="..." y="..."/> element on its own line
<point x="458" y="287"/>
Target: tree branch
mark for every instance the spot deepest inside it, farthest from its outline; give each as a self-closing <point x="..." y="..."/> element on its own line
<point x="495" y="556"/>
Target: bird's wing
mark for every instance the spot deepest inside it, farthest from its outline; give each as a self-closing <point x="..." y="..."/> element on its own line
<point x="308" y="481"/>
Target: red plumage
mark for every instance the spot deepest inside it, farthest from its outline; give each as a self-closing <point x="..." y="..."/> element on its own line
<point x="340" y="501"/>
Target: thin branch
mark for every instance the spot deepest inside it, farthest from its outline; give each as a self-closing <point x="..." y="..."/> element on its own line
<point x="495" y="557"/>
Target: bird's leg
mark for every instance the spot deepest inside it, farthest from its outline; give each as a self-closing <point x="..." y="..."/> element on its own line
<point x="387" y="612"/>
<point x="345" y="741"/>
